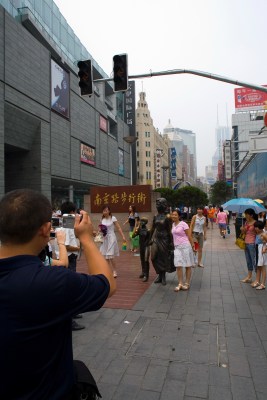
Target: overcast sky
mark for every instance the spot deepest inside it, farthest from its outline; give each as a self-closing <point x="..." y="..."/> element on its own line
<point x="222" y="37"/>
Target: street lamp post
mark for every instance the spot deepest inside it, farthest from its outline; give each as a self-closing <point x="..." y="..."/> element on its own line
<point x="131" y="140"/>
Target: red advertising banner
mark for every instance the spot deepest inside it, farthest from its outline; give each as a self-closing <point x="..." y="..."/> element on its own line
<point x="87" y="154"/>
<point x="103" y="124"/>
<point x="119" y="198"/>
<point x="250" y="99"/>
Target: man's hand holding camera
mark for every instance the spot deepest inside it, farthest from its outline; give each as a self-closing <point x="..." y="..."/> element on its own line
<point x="83" y="227"/>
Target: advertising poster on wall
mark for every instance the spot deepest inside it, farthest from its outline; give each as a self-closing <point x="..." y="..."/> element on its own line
<point x="103" y="124"/>
<point x="121" y="163"/>
<point x="87" y="154"/>
<point x="60" y="89"/>
<point x="250" y="99"/>
<point x="252" y="182"/>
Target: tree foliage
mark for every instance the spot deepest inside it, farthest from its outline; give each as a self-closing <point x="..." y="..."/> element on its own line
<point x="220" y="193"/>
<point x="189" y="196"/>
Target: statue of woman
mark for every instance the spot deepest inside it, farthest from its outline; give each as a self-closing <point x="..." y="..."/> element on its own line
<point x="162" y="242"/>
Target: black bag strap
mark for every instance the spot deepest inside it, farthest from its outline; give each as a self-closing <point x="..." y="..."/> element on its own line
<point x="86" y="385"/>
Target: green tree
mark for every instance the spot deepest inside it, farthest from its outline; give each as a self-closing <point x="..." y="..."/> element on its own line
<point x="168" y="194"/>
<point x="220" y="193"/>
<point x="190" y="196"/>
<point x="187" y="196"/>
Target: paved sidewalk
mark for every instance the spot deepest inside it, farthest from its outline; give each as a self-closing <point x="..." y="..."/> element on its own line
<point x="207" y="343"/>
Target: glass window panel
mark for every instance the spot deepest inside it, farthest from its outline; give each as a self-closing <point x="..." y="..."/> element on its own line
<point x="47" y="15"/>
<point x="56" y="26"/>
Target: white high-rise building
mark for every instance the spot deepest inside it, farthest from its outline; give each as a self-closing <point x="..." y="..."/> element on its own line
<point x="222" y="133"/>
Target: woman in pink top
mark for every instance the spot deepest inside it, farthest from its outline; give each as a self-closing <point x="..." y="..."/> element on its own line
<point x="250" y="236"/>
<point x="222" y="222"/>
<point x="183" y="253"/>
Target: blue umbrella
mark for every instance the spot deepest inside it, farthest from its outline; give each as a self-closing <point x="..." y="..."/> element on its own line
<point x="240" y="205"/>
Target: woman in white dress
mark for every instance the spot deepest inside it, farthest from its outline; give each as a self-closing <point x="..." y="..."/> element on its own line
<point x="109" y="248"/>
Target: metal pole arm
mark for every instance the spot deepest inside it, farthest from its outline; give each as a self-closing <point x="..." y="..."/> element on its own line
<point x="193" y="72"/>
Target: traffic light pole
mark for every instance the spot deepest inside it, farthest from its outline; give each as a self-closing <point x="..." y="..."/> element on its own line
<point x="193" y="72"/>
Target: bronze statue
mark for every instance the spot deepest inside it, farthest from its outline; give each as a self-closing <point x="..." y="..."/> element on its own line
<point x="144" y="238"/>
<point x="162" y="242"/>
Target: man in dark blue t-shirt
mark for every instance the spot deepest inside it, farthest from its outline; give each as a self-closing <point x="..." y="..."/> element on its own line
<point x="37" y="302"/>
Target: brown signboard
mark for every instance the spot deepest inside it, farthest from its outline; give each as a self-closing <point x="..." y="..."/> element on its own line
<point x="119" y="198"/>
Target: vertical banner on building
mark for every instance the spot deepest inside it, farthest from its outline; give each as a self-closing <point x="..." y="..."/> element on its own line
<point x="227" y="162"/>
<point x="129" y="119"/>
<point x="173" y="163"/>
<point x="129" y="108"/>
<point x="121" y="162"/>
<point x="159" y="154"/>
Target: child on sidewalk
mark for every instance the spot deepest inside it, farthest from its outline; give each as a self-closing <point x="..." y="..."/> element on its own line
<point x="261" y="256"/>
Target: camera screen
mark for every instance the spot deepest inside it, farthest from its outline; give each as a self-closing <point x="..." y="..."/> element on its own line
<point x="68" y="221"/>
<point x="55" y="222"/>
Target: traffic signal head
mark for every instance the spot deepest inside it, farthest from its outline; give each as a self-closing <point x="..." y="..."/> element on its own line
<point x="86" y="79"/>
<point x="120" y="72"/>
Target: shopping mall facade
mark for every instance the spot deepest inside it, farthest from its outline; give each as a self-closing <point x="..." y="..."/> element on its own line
<point x="52" y="139"/>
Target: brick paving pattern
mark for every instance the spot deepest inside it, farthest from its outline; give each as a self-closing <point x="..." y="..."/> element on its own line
<point x="206" y="343"/>
<point x="129" y="287"/>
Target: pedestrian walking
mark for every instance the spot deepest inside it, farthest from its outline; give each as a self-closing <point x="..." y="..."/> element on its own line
<point x="250" y="250"/>
<point x="261" y="255"/>
<point x="211" y="215"/>
<point x="183" y="253"/>
<point x="133" y="221"/>
<point x="109" y="248"/>
<point x="222" y="219"/>
<point x="198" y="231"/>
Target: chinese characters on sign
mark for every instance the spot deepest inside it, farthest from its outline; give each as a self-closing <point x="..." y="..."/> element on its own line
<point x="227" y="160"/>
<point x="129" y="110"/>
<point x="250" y="99"/>
<point x="159" y="154"/>
<point x="119" y="198"/>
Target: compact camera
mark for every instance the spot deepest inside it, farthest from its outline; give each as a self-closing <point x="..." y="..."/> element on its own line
<point x="68" y="221"/>
<point x="55" y="222"/>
